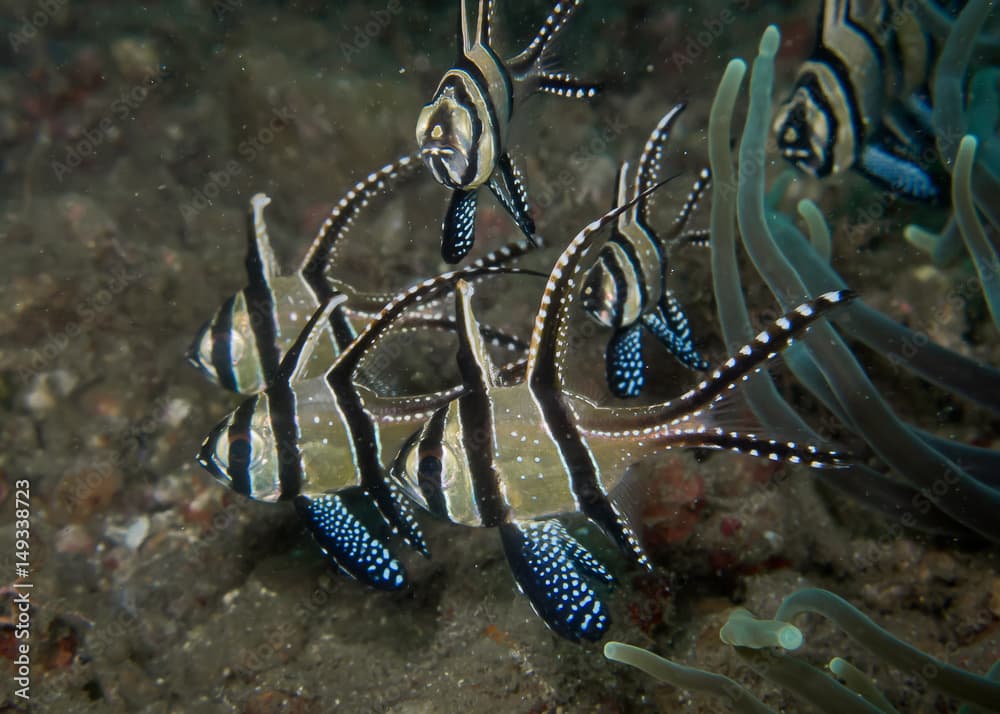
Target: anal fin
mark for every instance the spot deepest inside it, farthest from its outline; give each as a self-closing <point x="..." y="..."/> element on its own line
<point x="552" y="570"/>
<point x="459" y="230"/>
<point x="337" y="523"/>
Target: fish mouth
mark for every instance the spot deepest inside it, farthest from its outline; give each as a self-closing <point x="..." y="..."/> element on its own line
<point x="191" y="356"/>
<point x="206" y="454"/>
<point x="802" y="158"/>
<point x="437" y="151"/>
<point x="437" y="162"/>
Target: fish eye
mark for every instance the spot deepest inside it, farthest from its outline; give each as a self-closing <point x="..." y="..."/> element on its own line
<point x="252" y="440"/>
<point x="599" y="295"/>
<point x="429" y="472"/>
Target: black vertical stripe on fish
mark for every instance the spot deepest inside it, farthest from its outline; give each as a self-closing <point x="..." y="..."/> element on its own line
<point x="851" y="100"/>
<point x="478" y="76"/>
<point x="621" y="287"/>
<point x="240" y="446"/>
<point x="283" y="411"/>
<point x="222" y="356"/>
<point x="584" y="475"/>
<point x="810" y="84"/>
<point x="285" y="425"/>
<point x="477" y="418"/>
<point x="260" y="308"/>
<point x="368" y="461"/>
<point x="343" y="330"/>
<point x="464" y="98"/>
<point x="641" y="279"/>
<point x="431" y="464"/>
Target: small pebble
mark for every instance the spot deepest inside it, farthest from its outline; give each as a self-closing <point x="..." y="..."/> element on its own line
<point x="74" y="540"/>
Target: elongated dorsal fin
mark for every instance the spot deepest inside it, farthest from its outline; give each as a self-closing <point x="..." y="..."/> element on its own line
<point x="323" y="251"/>
<point x="833" y="15"/>
<point x="305" y="344"/>
<point x="548" y="337"/>
<point x="261" y="263"/>
<point x="484" y="25"/>
<point x="533" y="55"/>
<point x="651" y="159"/>
<point x="621" y="185"/>
<point x="474" y="361"/>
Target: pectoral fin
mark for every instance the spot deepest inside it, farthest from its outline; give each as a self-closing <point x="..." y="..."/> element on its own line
<point x="552" y="570"/>
<point x="459" y="230"/>
<point x="337" y="522"/>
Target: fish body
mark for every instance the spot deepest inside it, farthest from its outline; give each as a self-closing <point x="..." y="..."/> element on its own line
<point x="860" y="100"/>
<point x="626" y="288"/>
<point x="519" y="456"/>
<point x="462" y="132"/>
<point x="243" y="343"/>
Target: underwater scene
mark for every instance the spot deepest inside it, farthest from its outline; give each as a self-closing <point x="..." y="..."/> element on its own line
<point x="500" y="355"/>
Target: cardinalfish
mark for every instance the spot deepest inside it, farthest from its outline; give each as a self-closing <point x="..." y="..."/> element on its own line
<point x="626" y="288"/>
<point x="318" y="440"/>
<point x="462" y="132"/>
<point x="241" y="346"/>
<point x="518" y="457"/>
<point x="861" y="100"/>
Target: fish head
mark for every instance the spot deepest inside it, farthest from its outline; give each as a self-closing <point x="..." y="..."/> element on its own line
<point x="432" y="469"/>
<point x="599" y="295"/>
<point x="225" y="352"/>
<point x="805" y="133"/>
<point x="448" y="133"/>
<point x="242" y="453"/>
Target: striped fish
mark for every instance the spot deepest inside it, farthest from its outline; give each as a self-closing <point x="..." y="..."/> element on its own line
<point x="626" y="288"/>
<point x="860" y="101"/>
<point x="517" y="457"/>
<point x="317" y="440"/>
<point x="243" y="343"/>
<point x="462" y="132"/>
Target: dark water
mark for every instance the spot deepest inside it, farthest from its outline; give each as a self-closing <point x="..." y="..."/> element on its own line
<point x="131" y="139"/>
